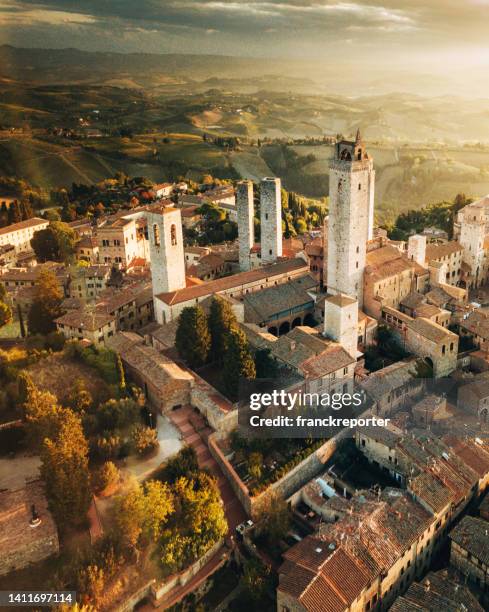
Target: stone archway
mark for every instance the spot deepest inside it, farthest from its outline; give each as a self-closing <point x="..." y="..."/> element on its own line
<point x="484" y="415"/>
<point x="284" y="328"/>
<point x="273" y="331"/>
<point x="297" y="321"/>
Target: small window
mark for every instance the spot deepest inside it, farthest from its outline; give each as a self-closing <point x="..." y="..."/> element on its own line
<point x="173" y="233"/>
<point x="359" y="186"/>
<point x="156" y="234"/>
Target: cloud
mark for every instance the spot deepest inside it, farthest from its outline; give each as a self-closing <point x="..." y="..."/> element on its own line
<point x="239" y="26"/>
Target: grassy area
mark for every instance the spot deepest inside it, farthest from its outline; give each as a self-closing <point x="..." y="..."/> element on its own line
<point x="12" y="330"/>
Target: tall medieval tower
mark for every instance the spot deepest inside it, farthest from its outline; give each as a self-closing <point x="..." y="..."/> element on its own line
<point x="270" y="220"/>
<point x="246" y="227"/>
<point x="351" y="217"/>
<point x="166" y="249"/>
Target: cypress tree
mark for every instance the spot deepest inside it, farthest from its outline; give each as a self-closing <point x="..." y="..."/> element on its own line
<point x="221" y="321"/>
<point x="193" y="340"/>
<point x="238" y="362"/>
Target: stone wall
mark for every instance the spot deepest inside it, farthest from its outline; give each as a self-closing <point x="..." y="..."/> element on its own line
<point x="182" y="578"/>
<point x="286" y="486"/>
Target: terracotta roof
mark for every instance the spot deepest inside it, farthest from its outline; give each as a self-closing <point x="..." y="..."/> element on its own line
<point x="471" y="534"/>
<point x="234" y="281"/>
<point x="14" y="227"/>
<point x="431" y="330"/>
<point x="438" y="251"/>
<point x="90" y="320"/>
<point x="16" y="534"/>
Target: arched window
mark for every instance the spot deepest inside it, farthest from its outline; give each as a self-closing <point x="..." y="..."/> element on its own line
<point x="156" y="234"/>
<point x="173" y="234"/>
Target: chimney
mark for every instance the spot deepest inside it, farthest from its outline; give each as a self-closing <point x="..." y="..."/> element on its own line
<point x="35" y="518"/>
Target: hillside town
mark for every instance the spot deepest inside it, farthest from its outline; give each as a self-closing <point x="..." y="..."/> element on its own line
<point x="129" y="341"/>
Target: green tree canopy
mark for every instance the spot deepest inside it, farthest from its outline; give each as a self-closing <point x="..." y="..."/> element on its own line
<point x="221" y="321"/>
<point x="55" y="243"/>
<point x="238" y="362"/>
<point x="193" y="340"/>
<point x="64" y="469"/>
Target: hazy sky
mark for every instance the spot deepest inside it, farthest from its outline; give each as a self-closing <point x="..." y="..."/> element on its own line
<point x="429" y="31"/>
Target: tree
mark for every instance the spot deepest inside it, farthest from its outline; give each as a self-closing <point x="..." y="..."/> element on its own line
<point x="255" y="580"/>
<point x="142" y="512"/>
<point x="265" y="364"/>
<point x="79" y="398"/>
<point x="238" y="362"/>
<point x="193" y="340"/>
<point x="21" y="321"/>
<point x="46" y="306"/>
<point x="221" y="321"/>
<point x="64" y="469"/>
<point x="42" y="412"/>
<point x="145" y="439"/>
<point x="5" y="314"/>
<point x="120" y="371"/>
<point x="255" y="462"/>
<point x="198" y="523"/>
<point x="106" y="477"/>
<point x="118" y="414"/>
<point x="275" y="520"/>
<point x="55" y="243"/>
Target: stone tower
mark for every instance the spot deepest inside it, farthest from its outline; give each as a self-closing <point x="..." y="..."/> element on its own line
<point x="351" y="217"/>
<point x="270" y="220"/>
<point x="341" y="321"/>
<point x="417" y="248"/>
<point x="166" y="249"/>
<point x="246" y="227"/>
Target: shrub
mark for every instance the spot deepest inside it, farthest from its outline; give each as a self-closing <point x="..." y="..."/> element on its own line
<point x="145" y="439"/>
<point x="106" y="477"/>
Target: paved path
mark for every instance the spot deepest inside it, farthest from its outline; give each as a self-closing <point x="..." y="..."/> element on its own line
<point x="195" y="433"/>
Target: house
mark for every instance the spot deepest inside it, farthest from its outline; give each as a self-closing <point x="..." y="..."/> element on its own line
<point x="163" y="190"/>
<point x="19" y="235"/>
<point x="87" y="324"/>
<point x="86" y="249"/>
<point x="28" y="533"/>
<point x="474" y="398"/>
<point x="469" y="551"/>
<point x="442" y="590"/>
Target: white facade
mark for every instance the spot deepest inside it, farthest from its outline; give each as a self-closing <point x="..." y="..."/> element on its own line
<point x="417" y="249"/>
<point x="341" y="322"/>
<point x="270" y="220"/>
<point x="246" y="227"/>
<point x="19" y="235"/>
<point x="166" y="250"/>
<point x="350" y="223"/>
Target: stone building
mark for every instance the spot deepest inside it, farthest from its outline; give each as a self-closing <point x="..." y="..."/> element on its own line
<point x="166" y="250"/>
<point x="270" y="220"/>
<point x="19" y="235"/>
<point x="474" y="398"/>
<point x="350" y="223"/>
<point x="28" y="533"/>
<point x="442" y="590"/>
<point x="86" y="249"/>
<point x="282" y="307"/>
<point x="170" y="304"/>
<point x="471" y="230"/>
<point x="341" y="321"/>
<point x="246" y="226"/>
<point x="118" y="242"/>
<point x="450" y="254"/>
<point x="469" y="551"/>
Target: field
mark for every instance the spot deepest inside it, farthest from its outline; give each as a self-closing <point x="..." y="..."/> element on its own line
<point x="158" y="133"/>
